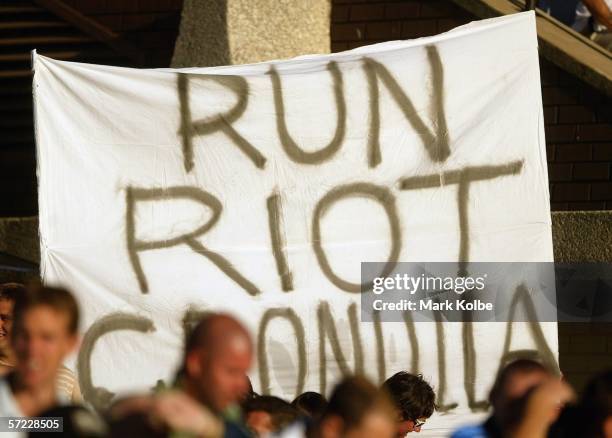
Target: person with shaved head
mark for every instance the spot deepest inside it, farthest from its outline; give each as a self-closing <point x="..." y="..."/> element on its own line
<point x="210" y="385"/>
<point x="218" y="354"/>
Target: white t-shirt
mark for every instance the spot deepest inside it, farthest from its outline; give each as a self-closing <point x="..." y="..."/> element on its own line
<point x="9" y="407"/>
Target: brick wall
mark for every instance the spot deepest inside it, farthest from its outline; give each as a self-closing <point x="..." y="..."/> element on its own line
<point x="151" y="25"/>
<point x="577" y="118"/>
<point x="356" y="23"/>
<point x="579" y="139"/>
<point x="584" y="350"/>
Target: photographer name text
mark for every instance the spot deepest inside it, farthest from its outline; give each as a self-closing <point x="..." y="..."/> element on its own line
<point x="431" y="305"/>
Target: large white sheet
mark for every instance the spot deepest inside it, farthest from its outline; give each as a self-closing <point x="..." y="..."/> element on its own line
<point x="259" y="189"/>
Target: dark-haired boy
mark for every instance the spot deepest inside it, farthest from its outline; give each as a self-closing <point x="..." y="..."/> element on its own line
<point x="414" y="400"/>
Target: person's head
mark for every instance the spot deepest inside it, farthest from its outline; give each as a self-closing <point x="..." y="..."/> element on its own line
<point x="515" y="380"/>
<point x="8" y="293"/>
<point x="44" y="332"/>
<point x="218" y="354"/>
<point x="414" y="400"/>
<point x="267" y="414"/>
<point x="512" y="387"/>
<point x="356" y="409"/>
<point x="595" y="407"/>
<point x="310" y="404"/>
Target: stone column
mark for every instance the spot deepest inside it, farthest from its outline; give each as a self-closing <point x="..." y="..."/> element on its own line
<point x="224" y="32"/>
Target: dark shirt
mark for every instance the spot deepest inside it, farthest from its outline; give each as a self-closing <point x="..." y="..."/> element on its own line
<point x="562" y="10"/>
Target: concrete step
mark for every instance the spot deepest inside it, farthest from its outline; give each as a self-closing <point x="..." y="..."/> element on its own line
<point x="17" y="9"/>
<point x="36" y="24"/>
<point x="45" y="40"/>
<point x="16" y="73"/>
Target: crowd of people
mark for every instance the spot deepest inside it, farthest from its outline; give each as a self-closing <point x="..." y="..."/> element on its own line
<point x="212" y="395"/>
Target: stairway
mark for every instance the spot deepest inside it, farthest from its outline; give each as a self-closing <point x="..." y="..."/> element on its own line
<point x="23" y="27"/>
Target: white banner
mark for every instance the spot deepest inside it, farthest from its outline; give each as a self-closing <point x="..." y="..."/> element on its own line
<point x="259" y="189"/>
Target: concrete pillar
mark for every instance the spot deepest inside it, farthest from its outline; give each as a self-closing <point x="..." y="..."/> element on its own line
<point x="224" y="32"/>
<point x="582" y="236"/>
